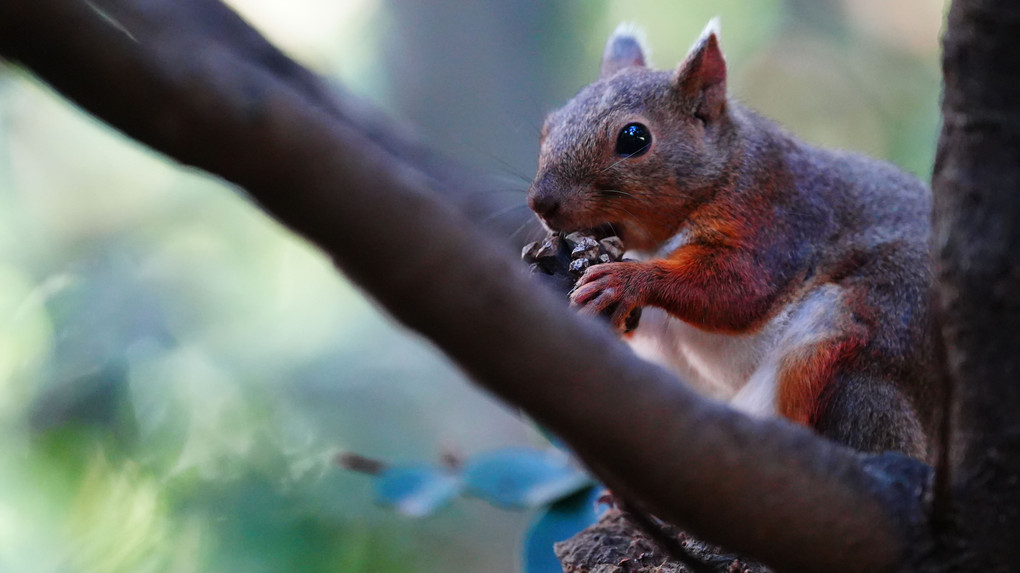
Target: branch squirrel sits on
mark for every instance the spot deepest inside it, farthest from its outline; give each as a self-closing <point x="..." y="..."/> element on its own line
<point x="786" y="279"/>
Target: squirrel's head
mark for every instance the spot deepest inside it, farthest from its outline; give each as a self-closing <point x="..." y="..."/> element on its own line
<point x="638" y="149"/>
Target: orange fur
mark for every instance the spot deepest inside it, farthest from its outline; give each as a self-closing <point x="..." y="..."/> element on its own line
<point x="717" y="289"/>
<point x="806" y="371"/>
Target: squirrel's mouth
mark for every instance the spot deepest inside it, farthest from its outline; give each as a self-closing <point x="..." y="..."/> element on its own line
<point x="599" y="232"/>
<point x="607" y="230"/>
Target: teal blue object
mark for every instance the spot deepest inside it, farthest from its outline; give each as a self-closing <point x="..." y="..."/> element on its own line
<point x="416" y="491"/>
<point x="520" y="478"/>
<point x="558" y="522"/>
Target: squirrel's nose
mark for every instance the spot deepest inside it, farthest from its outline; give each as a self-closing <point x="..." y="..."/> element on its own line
<point x="543" y="205"/>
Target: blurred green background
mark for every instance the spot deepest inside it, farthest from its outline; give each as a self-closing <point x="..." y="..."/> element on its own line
<point x="177" y="371"/>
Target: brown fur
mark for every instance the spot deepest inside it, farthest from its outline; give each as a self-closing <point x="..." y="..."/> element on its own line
<point x="768" y="220"/>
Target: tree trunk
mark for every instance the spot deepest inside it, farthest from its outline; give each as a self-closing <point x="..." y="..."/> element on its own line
<point x="977" y="245"/>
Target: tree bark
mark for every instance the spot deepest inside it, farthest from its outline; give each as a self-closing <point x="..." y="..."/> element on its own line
<point x="977" y="244"/>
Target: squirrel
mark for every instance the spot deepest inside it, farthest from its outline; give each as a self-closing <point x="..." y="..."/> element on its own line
<point x="783" y="278"/>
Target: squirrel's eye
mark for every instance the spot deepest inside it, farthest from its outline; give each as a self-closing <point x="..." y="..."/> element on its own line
<point x="634" y="140"/>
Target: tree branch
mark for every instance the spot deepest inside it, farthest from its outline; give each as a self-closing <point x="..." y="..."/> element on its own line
<point x="764" y="488"/>
<point x="211" y="23"/>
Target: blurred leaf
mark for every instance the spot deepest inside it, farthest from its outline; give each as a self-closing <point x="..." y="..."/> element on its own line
<point x="558" y="522"/>
<point x="117" y="520"/>
<point x="95" y="402"/>
<point x="522" y="478"/>
<point x="416" y="491"/>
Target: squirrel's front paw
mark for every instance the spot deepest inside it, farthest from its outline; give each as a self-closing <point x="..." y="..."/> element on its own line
<point x="608" y="290"/>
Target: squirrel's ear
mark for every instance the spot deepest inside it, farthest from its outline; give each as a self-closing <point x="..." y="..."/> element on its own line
<point x="624" y="49"/>
<point x="702" y="75"/>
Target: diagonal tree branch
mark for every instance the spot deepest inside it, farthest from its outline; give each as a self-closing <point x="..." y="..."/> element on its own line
<point x="211" y="23"/>
<point x="766" y="488"/>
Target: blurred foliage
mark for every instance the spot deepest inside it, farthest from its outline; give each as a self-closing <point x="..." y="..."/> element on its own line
<point x="177" y="371"/>
<point x="567" y="500"/>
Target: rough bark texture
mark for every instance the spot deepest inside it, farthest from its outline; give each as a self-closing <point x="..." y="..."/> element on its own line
<point x="190" y="79"/>
<point x="616" y="545"/>
<point x="977" y="245"/>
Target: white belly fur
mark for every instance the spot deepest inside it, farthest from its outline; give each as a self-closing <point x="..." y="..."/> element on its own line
<point x="738" y="368"/>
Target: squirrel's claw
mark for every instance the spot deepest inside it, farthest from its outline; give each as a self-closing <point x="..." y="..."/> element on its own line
<point x="602" y="290"/>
